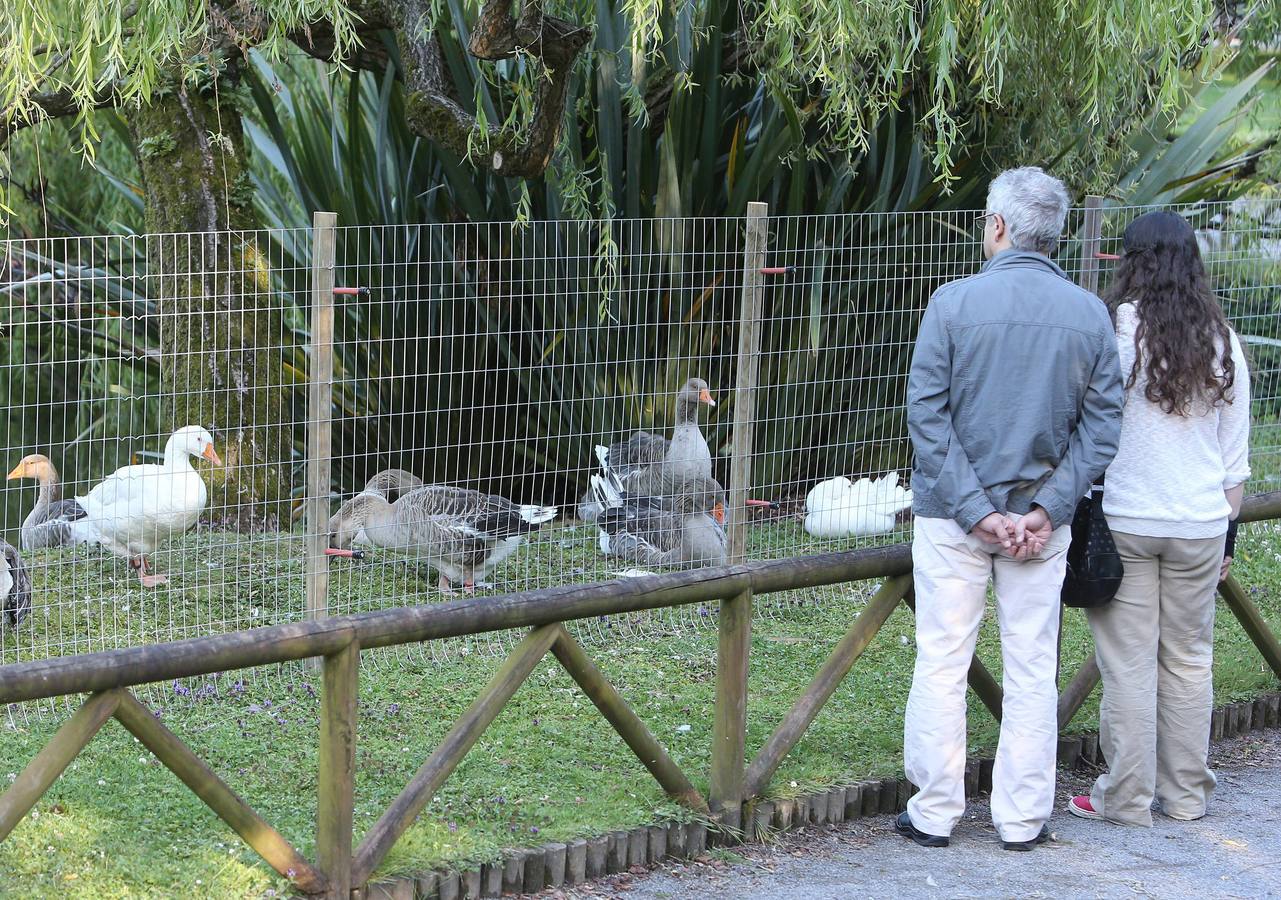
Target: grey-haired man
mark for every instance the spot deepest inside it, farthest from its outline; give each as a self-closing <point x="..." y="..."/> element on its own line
<point x="1014" y="409"/>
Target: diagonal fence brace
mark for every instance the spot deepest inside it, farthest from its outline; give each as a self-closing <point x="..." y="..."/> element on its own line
<point x="266" y="841"/>
<point x="1252" y="622"/>
<point x="53" y="759"/>
<point x="625" y="721"/>
<point x="1078" y="691"/>
<point x="461" y="738"/>
<point x="825" y="683"/>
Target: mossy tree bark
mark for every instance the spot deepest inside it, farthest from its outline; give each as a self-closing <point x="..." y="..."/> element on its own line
<point x="219" y="316"/>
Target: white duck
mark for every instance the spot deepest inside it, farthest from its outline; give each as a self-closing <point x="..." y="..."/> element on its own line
<point x="136" y="508"/>
<point x="839" y="507"/>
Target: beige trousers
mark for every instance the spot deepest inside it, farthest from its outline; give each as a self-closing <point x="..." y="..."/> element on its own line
<point x="951" y="571"/>
<point x="1154" y="644"/>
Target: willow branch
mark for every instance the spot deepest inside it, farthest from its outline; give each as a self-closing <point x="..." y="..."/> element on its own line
<point x="433" y="109"/>
<point x="52" y="105"/>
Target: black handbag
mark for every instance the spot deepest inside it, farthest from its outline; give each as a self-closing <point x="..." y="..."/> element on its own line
<point x="1094" y="569"/>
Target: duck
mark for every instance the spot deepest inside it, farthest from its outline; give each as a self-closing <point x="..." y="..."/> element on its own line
<point x="135" y="509"/>
<point x="463" y="534"/>
<point x="49" y="524"/>
<point x="638" y="460"/>
<point x="839" y="507"/>
<point x="684" y="526"/>
<point x="15" y="585"/>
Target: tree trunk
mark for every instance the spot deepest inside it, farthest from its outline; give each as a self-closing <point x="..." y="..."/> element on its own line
<point x="218" y="314"/>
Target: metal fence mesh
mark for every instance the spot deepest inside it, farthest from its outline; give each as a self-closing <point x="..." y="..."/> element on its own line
<point x="493" y="357"/>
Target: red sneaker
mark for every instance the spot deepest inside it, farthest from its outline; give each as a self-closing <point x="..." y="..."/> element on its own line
<point x="1081" y="806"/>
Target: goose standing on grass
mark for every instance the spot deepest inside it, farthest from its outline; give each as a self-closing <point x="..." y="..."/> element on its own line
<point x="685" y="526"/>
<point x="49" y="524"/>
<point x="639" y="460"/>
<point x="15" y="585"/>
<point x="839" y="507"/>
<point x="137" y="508"/>
<point x="462" y="534"/>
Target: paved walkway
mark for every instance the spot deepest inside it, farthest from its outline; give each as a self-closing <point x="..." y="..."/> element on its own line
<point x="1235" y="851"/>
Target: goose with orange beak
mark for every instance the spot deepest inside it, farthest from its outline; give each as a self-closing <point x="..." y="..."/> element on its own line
<point x="640" y="461"/>
<point x="135" y="509"/>
<point x="50" y="520"/>
<point x="684" y="526"/>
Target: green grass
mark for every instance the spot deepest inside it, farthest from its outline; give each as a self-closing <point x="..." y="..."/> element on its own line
<point x="87" y="600"/>
<point x="118" y="824"/>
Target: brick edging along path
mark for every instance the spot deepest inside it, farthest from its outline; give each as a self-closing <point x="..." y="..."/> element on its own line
<point x="529" y="871"/>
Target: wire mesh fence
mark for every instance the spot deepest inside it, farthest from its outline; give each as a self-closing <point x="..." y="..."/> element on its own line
<point x="489" y="383"/>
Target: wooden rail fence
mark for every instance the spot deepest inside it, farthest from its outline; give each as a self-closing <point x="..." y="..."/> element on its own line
<point x="338" y="641"/>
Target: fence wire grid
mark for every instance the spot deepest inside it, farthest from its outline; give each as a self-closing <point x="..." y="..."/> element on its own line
<point x="491" y="357"/>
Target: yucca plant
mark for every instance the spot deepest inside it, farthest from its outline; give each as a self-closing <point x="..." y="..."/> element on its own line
<point x="496" y="353"/>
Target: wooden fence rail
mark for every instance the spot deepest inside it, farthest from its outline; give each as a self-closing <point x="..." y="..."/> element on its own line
<point x="335" y="643"/>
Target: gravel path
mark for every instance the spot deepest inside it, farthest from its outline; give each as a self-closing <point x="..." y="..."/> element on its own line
<point x="1235" y="851"/>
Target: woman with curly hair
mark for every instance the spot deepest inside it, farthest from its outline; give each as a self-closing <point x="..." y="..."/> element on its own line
<point x="1176" y="482"/>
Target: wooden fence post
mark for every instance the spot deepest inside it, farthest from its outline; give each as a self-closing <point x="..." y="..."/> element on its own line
<point x="1091" y="237"/>
<point x="735" y="627"/>
<point x="337" y="769"/>
<point x="319" y="425"/>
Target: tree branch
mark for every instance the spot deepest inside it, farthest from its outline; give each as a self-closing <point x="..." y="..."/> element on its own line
<point x="54" y="105"/>
<point x="432" y="109"/>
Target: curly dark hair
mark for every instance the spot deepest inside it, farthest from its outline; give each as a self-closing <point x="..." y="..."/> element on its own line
<point x="1182" y="331"/>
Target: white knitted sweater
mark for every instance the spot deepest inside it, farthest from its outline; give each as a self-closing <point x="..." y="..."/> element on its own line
<point x="1170" y="471"/>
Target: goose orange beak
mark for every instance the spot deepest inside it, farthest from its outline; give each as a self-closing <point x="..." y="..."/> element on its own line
<point x="16" y="473"/>
<point x="212" y="455"/>
<point x="705" y="396"/>
<point x="718" y="513"/>
<point x="346" y="554"/>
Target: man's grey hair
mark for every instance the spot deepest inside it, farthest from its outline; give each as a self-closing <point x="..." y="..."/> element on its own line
<point x="1034" y="206"/>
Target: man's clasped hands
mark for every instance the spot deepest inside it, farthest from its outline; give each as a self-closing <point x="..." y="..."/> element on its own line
<point x="1021" y="537"/>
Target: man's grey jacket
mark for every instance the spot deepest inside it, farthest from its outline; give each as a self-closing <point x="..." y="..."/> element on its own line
<point x="1015" y="393"/>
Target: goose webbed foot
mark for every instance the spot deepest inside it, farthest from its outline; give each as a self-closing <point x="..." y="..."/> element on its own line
<point x="148" y="579"/>
<point x="444" y="587"/>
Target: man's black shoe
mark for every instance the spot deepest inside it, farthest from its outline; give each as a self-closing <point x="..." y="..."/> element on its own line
<point x="1028" y="845"/>
<point x="903" y="825"/>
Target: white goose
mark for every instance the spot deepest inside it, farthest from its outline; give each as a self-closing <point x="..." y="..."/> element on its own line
<point x="839" y="507"/>
<point x="136" y="508"/>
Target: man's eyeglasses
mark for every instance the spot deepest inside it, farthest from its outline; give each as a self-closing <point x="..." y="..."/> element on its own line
<point x="980" y="222"/>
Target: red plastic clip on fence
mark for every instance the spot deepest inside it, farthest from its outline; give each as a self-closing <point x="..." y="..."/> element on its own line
<point x="352" y="292"/>
<point x="777" y="270"/>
